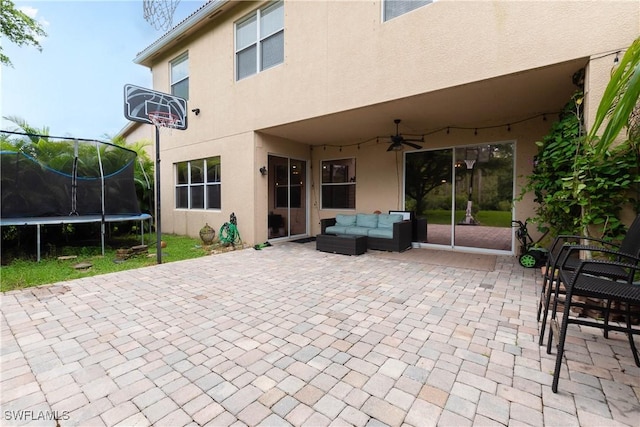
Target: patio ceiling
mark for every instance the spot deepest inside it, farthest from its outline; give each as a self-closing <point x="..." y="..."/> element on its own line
<point x="481" y="104"/>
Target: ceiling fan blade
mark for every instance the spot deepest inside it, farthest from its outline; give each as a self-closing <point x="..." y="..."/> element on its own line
<point x="393" y="146"/>
<point x="414" y="139"/>
<point x="416" y="146"/>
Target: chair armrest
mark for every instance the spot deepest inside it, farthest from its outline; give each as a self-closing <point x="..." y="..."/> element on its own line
<point x="568" y="249"/>
<point x="588" y="266"/>
<point x="326" y="222"/>
<point x="402" y="232"/>
<point x="625" y="267"/>
<point x="564" y="239"/>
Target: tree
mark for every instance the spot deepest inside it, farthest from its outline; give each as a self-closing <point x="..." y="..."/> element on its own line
<point x="426" y="171"/>
<point x="18" y="28"/>
<point x="608" y="166"/>
<point x="582" y="182"/>
<point x="143" y="173"/>
<point x="556" y="210"/>
<point x="619" y="101"/>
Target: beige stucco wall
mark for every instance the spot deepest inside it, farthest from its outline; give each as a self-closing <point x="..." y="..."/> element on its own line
<point x="139" y="132"/>
<point x="340" y="56"/>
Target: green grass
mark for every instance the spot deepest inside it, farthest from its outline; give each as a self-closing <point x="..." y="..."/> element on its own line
<point x="23" y="273"/>
<point x="488" y="218"/>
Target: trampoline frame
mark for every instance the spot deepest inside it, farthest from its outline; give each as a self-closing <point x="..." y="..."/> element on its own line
<point x="61" y="220"/>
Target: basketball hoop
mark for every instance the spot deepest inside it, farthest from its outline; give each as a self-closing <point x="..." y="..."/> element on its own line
<point x="159" y="13"/>
<point x="163" y="119"/>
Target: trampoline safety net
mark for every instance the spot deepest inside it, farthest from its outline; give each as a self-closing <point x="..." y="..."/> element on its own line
<point x="67" y="177"/>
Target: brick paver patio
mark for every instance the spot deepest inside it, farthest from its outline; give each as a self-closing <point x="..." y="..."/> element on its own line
<point x="292" y="336"/>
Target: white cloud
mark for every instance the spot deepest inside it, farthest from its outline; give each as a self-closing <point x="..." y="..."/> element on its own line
<point x="32" y="13"/>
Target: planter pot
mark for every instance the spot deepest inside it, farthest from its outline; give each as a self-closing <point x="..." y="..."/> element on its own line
<point x="207" y="234"/>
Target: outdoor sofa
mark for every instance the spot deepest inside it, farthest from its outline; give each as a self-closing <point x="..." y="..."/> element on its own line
<point x="385" y="232"/>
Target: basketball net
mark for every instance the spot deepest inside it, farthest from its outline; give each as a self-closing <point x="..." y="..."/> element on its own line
<point x="164" y="120"/>
<point x="159" y="13"/>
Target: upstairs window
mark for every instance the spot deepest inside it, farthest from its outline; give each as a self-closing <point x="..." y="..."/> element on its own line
<point x="180" y="76"/>
<point x="260" y="40"/>
<point x="395" y="8"/>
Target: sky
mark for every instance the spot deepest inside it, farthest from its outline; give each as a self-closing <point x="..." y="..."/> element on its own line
<point x="74" y="86"/>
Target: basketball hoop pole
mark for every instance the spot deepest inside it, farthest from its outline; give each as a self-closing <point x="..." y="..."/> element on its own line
<point x="161" y="110"/>
<point x="158" y="210"/>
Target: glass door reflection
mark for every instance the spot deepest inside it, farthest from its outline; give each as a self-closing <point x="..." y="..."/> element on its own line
<point x="465" y="194"/>
<point x="287" y="197"/>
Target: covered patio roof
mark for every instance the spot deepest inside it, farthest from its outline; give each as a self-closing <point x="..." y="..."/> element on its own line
<point x="494" y="102"/>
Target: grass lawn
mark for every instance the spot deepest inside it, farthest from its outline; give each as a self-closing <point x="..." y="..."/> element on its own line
<point x="23" y="273"/>
<point x="488" y="218"/>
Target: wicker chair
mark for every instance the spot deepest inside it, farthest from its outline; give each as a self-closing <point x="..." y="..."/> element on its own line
<point x="629" y="245"/>
<point x="583" y="286"/>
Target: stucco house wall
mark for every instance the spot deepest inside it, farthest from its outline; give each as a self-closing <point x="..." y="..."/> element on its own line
<point x="347" y="74"/>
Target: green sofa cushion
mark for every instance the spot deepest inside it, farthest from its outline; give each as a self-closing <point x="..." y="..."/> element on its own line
<point x="383" y="233"/>
<point x="367" y="220"/>
<point x="345" y="220"/>
<point x="387" y="220"/>
<point x="336" y="229"/>
<point x="358" y="231"/>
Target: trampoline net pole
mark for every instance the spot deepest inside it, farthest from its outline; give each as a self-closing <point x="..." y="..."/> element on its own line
<point x="38" y="240"/>
<point x="102" y="227"/>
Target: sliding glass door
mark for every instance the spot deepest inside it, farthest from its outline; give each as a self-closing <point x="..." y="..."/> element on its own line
<point x="287" y="197"/>
<point x="465" y="193"/>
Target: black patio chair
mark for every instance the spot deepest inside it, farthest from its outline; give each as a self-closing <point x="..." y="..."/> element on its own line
<point x="583" y="288"/>
<point x="629" y="245"/>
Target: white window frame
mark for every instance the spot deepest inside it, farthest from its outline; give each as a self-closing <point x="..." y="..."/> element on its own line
<point x="257" y="14"/>
<point x="184" y="57"/>
<point x="341" y="184"/>
<point x="208" y="181"/>
<point x="419" y="4"/>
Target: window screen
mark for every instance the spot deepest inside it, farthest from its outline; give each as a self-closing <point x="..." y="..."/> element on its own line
<point x="180" y="76"/>
<point x="198" y="184"/>
<point x="260" y="40"/>
<point x="394" y="8"/>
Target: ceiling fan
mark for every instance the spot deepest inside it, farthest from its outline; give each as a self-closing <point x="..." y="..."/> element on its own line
<point x="397" y="140"/>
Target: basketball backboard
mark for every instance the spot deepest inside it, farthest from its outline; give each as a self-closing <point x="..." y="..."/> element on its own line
<point x="149" y="106"/>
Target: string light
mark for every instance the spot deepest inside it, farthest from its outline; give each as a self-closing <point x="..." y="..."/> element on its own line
<point x="447" y="130"/>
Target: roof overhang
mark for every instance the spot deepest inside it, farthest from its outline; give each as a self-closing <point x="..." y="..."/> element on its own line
<point x="487" y="103"/>
<point x="187" y="26"/>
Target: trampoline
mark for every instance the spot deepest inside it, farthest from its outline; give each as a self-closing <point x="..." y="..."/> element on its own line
<point x="61" y="220"/>
<point x="49" y="180"/>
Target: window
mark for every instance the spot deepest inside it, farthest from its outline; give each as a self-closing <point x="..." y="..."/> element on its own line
<point x="339" y="184"/>
<point x="180" y="76"/>
<point x="260" y="40"/>
<point x="198" y="184"/>
<point x="395" y="8"/>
